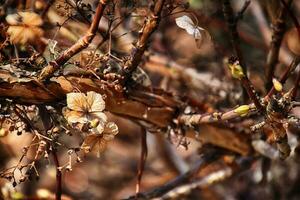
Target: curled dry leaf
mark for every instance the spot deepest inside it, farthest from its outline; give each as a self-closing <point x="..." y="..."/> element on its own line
<point x="83" y="109"/>
<point x="97" y="142"/>
<point x="200" y="34"/>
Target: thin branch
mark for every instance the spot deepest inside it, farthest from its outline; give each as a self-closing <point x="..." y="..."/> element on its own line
<point x="212" y="178"/>
<point x="246" y="83"/>
<point x="243" y="9"/>
<point x="252" y="93"/>
<point x="292" y="16"/>
<point x="196" y="119"/>
<point x="78" y="46"/>
<point x="290" y="69"/>
<point x="144" y="153"/>
<point x="232" y="20"/>
<point x="149" y="27"/>
<point x="279" y="29"/>
<point x="48" y="5"/>
<point x="296" y="85"/>
<point x="180" y="180"/>
<point x="58" y="176"/>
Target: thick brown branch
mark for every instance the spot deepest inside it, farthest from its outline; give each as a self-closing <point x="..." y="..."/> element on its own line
<point x="78" y="46"/>
<point x="155" y="107"/>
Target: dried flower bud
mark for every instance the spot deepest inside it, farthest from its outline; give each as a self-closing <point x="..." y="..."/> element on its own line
<point x="69" y="168"/>
<point x="242" y="110"/>
<point x="277" y="85"/>
<point x="78" y="159"/>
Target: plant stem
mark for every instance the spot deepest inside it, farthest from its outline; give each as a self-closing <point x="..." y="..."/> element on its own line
<point x="58" y="177"/>
<point x="149" y="27"/>
<point x="277" y="36"/>
<point x="232" y="25"/>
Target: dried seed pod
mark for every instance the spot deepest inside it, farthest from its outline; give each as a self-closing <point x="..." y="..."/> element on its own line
<point x="19" y="128"/>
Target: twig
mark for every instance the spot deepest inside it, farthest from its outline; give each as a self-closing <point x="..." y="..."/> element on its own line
<point x="243" y="9"/>
<point x="252" y="93"/>
<point x="58" y="176"/>
<point x="292" y="16"/>
<point x="180" y="180"/>
<point x="149" y="27"/>
<point x="284" y="56"/>
<point x="232" y="20"/>
<point x="196" y="119"/>
<point x="144" y="153"/>
<point x="78" y="46"/>
<point x="285" y="75"/>
<point x="277" y="36"/>
<point x="295" y="88"/>
<point x="48" y="5"/>
<point x="214" y="177"/>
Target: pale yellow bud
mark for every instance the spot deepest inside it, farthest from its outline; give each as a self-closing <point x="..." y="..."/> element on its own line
<point x="236" y="70"/>
<point x="277" y="85"/>
<point x="242" y="110"/>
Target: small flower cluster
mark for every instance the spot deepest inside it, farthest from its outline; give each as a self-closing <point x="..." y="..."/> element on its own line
<point x="87" y="111"/>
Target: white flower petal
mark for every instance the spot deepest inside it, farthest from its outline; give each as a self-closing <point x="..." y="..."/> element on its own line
<point x="110" y="130"/>
<point x="77" y="118"/>
<point x="100" y="128"/>
<point x="74" y="116"/>
<point x="184" y="22"/>
<point x="95" y="102"/>
<point x="77" y="101"/>
<point x="31" y="18"/>
<point x="99" y="115"/>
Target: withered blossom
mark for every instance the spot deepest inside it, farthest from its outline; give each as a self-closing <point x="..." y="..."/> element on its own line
<point x="84" y="109"/>
<point x="24" y="27"/>
<point x="98" y="142"/>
